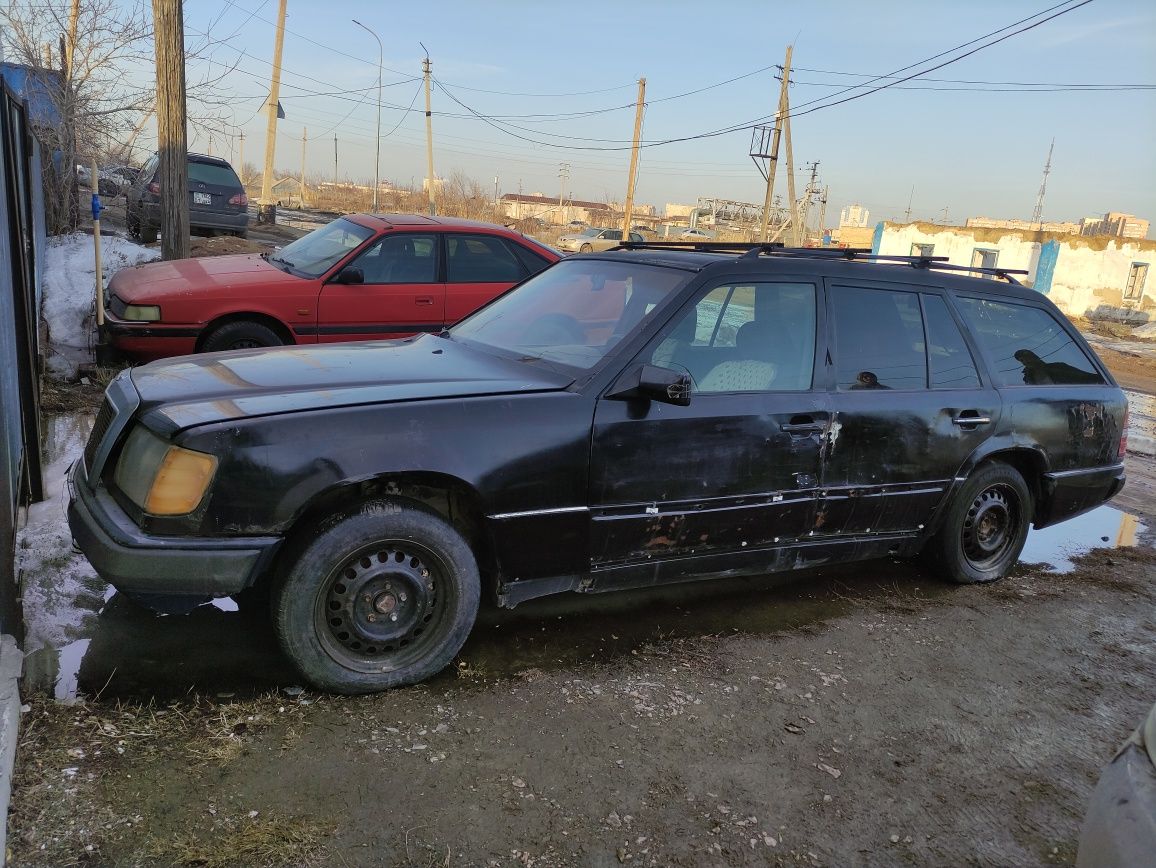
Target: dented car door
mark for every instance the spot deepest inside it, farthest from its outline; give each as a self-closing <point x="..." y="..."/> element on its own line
<point x="910" y="406"/>
<point x="734" y="472"/>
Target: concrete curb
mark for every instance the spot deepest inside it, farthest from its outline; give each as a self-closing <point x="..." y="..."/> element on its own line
<point x="11" y="665"/>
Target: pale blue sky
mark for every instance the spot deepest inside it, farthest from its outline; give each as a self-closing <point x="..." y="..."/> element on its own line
<point x="974" y="153"/>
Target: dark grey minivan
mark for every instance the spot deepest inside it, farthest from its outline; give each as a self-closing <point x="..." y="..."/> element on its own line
<point x="217" y="200"/>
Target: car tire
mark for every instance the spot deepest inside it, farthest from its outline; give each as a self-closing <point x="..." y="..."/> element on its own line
<point x="585" y="248"/>
<point x="241" y="335"/>
<point x="131" y="223"/>
<point x="985" y="527"/>
<point x="381" y="597"/>
<point x="242" y="233"/>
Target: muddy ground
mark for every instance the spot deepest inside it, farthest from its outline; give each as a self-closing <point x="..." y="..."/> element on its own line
<point x="868" y="716"/>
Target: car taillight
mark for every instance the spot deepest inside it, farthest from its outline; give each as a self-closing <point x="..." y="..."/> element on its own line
<point x="239" y="199"/>
<point x="154" y="188"/>
<point x="1124" y="433"/>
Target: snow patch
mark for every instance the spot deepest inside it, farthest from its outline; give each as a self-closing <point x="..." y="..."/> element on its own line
<point x="68" y="306"/>
<point x="61" y="591"/>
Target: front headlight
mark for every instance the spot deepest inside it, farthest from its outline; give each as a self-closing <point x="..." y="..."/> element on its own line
<point x="142" y="312"/>
<point x="160" y="478"/>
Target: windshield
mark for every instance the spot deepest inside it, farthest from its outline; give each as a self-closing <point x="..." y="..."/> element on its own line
<point x="572" y="313"/>
<point x="317" y="252"/>
<point x="589" y="232"/>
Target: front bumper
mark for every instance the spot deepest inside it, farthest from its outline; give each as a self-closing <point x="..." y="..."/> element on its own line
<point x="151" y="340"/>
<point x="141" y="565"/>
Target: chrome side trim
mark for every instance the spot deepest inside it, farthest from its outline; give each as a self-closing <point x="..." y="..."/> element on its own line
<point x="1084" y="471"/>
<point x="532" y="512"/>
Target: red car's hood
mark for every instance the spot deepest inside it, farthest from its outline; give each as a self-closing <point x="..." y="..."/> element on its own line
<point x="154" y="281"/>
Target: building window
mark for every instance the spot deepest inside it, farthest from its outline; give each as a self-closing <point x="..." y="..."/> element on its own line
<point x="984" y="257"/>
<point x="922" y="249"/>
<point x="1137" y="275"/>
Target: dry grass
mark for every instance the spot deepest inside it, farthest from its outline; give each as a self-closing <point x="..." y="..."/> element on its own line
<point x="254" y="841"/>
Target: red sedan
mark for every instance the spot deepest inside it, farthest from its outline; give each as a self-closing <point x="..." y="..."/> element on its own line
<point x="358" y="278"/>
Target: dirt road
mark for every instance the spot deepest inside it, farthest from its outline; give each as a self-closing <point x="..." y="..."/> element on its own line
<point x="869" y="716"/>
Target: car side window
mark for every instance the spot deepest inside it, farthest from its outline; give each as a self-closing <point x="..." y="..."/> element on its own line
<point x="949" y="361"/>
<point x="480" y="259"/>
<point x="403" y="257"/>
<point x="1027" y="345"/>
<point x="755" y="337"/>
<point x="878" y="339"/>
<point x="531" y="261"/>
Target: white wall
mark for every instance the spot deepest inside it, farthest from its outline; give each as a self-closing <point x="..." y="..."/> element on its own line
<point x="1090" y="273"/>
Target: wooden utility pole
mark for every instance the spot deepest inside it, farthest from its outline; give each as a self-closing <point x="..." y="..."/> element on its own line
<point x="70" y="45"/>
<point x="241" y="158"/>
<point x="791" y="179"/>
<point x="335" y="158"/>
<point x="429" y="139"/>
<point x="172" y="141"/>
<point x="773" y="161"/>
<point x="274" y="93"/>
<point x="304" y="140"/>
<point x="628" y="208"/>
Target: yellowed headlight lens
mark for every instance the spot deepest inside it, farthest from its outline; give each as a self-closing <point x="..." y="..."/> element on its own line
<point x="181" y="482"/>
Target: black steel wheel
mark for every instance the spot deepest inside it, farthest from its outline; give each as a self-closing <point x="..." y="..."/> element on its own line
<point x="986" y="525"/>
<point x="241" y="335"/>
<point x="380" y="598"/>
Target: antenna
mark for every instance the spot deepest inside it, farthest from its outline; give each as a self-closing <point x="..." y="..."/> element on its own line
<point x="1038" y="214"/>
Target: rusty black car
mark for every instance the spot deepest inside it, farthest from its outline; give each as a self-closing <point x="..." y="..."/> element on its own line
<point x="646" y="415"/>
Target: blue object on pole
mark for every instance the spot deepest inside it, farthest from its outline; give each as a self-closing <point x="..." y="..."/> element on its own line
<point x="96" y="206"/>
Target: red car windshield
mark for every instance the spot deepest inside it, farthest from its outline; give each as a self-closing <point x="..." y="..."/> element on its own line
<point x="314" y="254"/>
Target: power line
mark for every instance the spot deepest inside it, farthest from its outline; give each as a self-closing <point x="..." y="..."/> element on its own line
<point x="974" y="81"/>
<point x="825" y="102"/>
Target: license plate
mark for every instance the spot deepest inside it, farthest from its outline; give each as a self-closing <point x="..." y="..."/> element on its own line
<point x="202" y="199"/>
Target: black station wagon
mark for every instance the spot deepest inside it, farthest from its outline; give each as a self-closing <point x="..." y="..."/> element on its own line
<point x="622" y="419"/>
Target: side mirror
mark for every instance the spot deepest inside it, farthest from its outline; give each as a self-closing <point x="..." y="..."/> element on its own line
<point x="654" y="383"/>
<point x="350" y="274"/>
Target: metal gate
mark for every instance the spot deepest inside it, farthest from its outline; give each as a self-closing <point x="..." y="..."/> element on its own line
<point x="21" y="238"/>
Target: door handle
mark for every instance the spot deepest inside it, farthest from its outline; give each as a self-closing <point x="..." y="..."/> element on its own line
<point x="802" y="425"/>
<point x="963" y="419"/>
<point x="424" y="299"/>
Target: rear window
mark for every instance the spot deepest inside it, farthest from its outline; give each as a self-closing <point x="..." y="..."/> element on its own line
<point x="1028" y="347"/>
<point x="212" y="173"/>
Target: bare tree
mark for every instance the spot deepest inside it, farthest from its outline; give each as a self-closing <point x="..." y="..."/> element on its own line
<point x="91" y="58"/>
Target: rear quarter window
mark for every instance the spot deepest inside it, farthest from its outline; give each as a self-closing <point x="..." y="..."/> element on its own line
<point x="1028" y="346"/>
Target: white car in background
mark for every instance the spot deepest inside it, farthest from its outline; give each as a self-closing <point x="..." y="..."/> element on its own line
<point x="695" y="235"/>
<point x="593" y="238"/>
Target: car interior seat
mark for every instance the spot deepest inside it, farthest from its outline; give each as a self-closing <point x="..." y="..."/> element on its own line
<point x="751" y="369"/>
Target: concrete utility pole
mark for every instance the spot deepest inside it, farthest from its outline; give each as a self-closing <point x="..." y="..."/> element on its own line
<point x="628" y="209"/>
<point x="172" y="136"/>
<point x="823" y="212"/>
<point x="241" y="157"/>
<point x="274" y="93"/>
<point x="377" y="138"/>
<point x="335" y="158"/>
<point x="791" y="180"/>
<point x="425" y="67"/>
<point x="907" y="213"/>
<point x="780" y="114"/>
<point x="304" y="140"/>
<point x="811" y="192"/>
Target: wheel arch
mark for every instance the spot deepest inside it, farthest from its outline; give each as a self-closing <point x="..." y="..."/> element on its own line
<point x="1029" y="460"/>
<point x="450" y="497"/>
<point x="283" y="331"/>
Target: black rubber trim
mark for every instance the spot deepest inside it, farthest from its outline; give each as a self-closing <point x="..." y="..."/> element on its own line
<point x="136" y="563"/>
<point x="149" y="330"/>
<point x="370" y="329"/>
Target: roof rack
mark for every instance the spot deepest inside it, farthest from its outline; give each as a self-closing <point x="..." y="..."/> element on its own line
<point x="753" y="250"/>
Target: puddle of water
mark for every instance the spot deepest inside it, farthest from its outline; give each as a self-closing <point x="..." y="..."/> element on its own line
<point x="1141" y="422"/>
<point x="1103" y="528"/>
